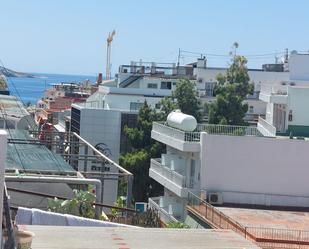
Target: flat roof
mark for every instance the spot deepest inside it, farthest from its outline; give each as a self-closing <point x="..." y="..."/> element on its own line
<point x="294" y="220"/>
<point x="55" y="237"/>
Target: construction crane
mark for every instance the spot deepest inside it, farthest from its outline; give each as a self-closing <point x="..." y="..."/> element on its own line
<point x="108" y="54"/>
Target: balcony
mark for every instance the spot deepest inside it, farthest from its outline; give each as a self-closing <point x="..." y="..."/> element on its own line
<point x="181" y="140"/>
<point x="164" y="209"/>
<point x="267" y="129"/>
<point x="274" y="94"/>
<point x="171" y="179"/>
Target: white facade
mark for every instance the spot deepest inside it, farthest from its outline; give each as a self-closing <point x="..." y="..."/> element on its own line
<point x="3" y="144"/>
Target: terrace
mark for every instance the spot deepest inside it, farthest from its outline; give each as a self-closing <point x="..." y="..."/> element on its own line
<point x="189" y="141"/>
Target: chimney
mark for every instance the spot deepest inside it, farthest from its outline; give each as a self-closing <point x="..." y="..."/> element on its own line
<point x="100" y="79"/>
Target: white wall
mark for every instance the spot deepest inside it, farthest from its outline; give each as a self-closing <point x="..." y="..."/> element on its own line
<point x="258" y="77"/>
<point x="298" y="102"/>
<point x="3" y="144"/>
<point x="298" y="66"/>
<point x="276" y="168"/>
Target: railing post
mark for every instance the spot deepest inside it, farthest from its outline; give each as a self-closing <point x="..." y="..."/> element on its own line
<point x="129" y="190"/>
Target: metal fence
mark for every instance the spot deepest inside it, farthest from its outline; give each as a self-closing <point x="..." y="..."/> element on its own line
<point x="269" y="238"/>
<point x="194" y="136"/>
<point x="234" y="130"/>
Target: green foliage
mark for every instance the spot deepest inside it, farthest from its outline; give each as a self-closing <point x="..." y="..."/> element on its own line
<point x="144" y="148"/>
<point x="150" y="218"/>
<point x="81" y="204"/>
<point x="228" y="108"/>
<point x="186" y="97"/>
<point x="177" y="225"/>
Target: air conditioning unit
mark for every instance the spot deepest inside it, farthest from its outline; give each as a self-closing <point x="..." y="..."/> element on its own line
<point x="215" y="198"/>
<point x="141" y="206"/>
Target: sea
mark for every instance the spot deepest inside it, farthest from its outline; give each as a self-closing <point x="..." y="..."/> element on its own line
<point x="30" y="90"/>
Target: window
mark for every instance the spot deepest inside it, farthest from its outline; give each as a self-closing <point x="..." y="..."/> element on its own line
<point x="166" y="85"/>
<point x="251" y="109"/>
<point x="158" y="106"/>
<point x="152" y="85"/>
<point x="135" y="106"/>
<point x="209" y="87"/>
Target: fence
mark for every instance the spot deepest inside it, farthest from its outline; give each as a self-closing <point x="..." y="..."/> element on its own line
<point x="264" y="237"/>
<point x="234" y="130"/>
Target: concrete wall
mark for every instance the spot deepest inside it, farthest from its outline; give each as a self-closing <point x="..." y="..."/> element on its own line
<point x="256" y="170"/>
<point x="103" y="126"/>
<point x="3" y="144"/>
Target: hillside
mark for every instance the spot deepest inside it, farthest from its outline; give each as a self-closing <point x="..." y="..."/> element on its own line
<point x="10" y="73"/>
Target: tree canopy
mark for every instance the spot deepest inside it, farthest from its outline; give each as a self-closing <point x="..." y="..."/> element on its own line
<point x="233" y="87"/>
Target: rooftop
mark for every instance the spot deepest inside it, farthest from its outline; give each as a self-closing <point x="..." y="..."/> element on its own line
<point x="130" y="238"/>
<point x="268" y="218"/>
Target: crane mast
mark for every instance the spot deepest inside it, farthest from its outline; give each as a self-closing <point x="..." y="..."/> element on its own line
<point x="108" y="54"/>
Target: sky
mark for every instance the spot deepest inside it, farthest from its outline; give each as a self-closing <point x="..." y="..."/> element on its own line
<point x="69" y="36"/>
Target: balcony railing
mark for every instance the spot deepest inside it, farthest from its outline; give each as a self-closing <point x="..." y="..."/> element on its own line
<point x="194" y="136"/>
<point x="175" y="133"/>
<point x="233" y="130"/>
<point x="166" y="172"/>
<point x="164" y="215"/>
<point x="266" y="128"/>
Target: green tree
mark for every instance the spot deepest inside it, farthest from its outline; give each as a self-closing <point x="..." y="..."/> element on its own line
<point x="144" y="148"/>
<point x="229" y="107"/>
<point x="187" y="99"/>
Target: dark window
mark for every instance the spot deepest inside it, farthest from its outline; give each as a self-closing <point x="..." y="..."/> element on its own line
<point x="75" y="120"/>
<point x="135" y="106"/>
<point x="166" y="85"/>
<point x="152" y="85"/>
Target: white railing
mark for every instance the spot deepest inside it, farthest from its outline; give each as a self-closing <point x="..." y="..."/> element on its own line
<point x="164" y="215"/>
<point x="166" y="172"/>
<point x="267" y="129"/>
<point x="234" y="130"/>
<point x="175" y="133"/>
<point x="274" y="89"/>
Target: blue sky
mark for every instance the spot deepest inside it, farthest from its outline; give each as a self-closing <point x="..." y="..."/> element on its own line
<point x="69" y="36"/>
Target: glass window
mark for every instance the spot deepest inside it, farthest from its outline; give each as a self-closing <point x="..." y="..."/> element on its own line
<point x="166" y="85"/>
<point x="135" y="106"/>
<point x="152" y="85"/>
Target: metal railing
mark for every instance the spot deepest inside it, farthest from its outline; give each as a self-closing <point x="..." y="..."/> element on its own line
<point x="166" y="172"/>
<point x="234" y="130"/>
<point x="266" y="128"/>
<point x="164" y="215"/>
<point x="194" y="136"/>
<point x="265" y="237"/>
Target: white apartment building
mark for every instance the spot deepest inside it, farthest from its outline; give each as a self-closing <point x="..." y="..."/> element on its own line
<point x="287" y="101"/>
<point x="228" y="165"/>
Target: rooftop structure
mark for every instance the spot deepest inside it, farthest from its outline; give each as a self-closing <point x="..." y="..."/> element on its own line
<point x="74" y="237"/>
